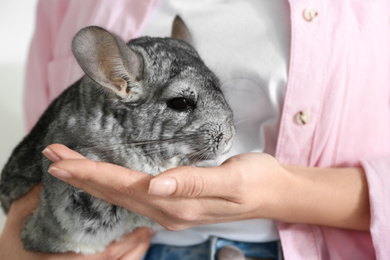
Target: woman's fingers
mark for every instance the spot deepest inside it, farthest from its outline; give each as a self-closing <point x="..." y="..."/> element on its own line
<point x="80" y="172"/>
<point x="141" y="245"/>
<point x="187" y="182"/>
<point x="57" y="152"/>
<point x="177" y="199"/>
<point x="129" y="189"/>
<point x="26" y="204"/>
<point x="132" y="245"/>
<point x="184" y="182"/>
<point x="102" y="180"/>
<point x="194" y="182"/>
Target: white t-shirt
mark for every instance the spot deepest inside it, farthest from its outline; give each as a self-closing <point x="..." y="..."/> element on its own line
<point x="246" y="43"/>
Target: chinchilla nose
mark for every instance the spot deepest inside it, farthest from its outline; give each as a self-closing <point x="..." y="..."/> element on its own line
<point x="223" y="134"/>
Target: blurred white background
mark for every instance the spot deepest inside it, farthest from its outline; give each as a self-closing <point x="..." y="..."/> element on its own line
<point x="17" y="21"/>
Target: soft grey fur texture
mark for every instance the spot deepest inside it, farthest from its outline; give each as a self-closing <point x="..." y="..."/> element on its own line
<point x="148" y="105"/>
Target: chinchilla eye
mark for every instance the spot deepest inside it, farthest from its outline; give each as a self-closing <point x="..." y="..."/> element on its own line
<point x="180" y="104"/>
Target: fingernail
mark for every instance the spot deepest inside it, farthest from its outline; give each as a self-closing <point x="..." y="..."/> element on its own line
<point x="58" y="173"/>
<point x="162" y="187"/>
<point x="51" y="155"/>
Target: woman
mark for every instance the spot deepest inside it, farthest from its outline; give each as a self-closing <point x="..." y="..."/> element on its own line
<point x="331" y="118"/>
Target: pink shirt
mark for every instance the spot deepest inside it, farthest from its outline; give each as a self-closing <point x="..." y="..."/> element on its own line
<point x="339" y="76"/>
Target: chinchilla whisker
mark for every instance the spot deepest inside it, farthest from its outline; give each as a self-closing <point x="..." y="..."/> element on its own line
<point x="240" y="121"/>
<point x="199" y="155"/>
<point x="156" y="150"/>
<point x="142" y="142"/>
<point x="239" y="78"/>
<point x="115" y="146"/>
<point x="27" y="148"/>
<point x="157" y="141"/>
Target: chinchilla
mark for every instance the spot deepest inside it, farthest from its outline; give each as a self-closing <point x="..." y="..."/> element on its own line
<point x="149" y="105"/>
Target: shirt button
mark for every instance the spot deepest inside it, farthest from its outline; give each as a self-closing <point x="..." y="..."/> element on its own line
<point x="309" y="14"/>
<point x="303" y="118"/>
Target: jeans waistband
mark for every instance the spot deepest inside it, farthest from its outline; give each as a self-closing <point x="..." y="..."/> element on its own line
<point x="209" y="250"/>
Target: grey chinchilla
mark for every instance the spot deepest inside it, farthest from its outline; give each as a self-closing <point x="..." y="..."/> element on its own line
<point x="149" y="105"/>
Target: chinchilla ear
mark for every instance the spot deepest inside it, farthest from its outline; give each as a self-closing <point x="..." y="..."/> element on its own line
<point x="107" y="60"/>
<point x="180" y="30"/>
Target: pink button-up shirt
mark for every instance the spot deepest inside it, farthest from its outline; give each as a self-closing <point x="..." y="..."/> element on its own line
<point x="339" y="76"/>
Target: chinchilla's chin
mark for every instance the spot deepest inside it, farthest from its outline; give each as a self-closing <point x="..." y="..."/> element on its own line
<point x="228" y="147"/>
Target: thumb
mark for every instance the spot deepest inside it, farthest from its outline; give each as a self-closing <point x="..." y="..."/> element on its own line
<point x="191" y="182"/>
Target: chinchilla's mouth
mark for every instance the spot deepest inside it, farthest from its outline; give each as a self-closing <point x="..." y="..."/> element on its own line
<point x="228" y="145"/>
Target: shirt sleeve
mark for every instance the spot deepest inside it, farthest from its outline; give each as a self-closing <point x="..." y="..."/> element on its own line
<point x="51" y="67"/>
<point x="378" y="178"/>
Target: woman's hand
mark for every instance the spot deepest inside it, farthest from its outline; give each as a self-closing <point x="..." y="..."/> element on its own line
<point x="233" y="191"/>
<point x="246" y="186"/>
<point x="131" y="246"/>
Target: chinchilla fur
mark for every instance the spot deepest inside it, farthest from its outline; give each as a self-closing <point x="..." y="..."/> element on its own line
<point x="148" y="105"/>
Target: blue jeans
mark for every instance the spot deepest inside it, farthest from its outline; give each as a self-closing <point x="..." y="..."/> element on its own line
<point x="209" y="250"/>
